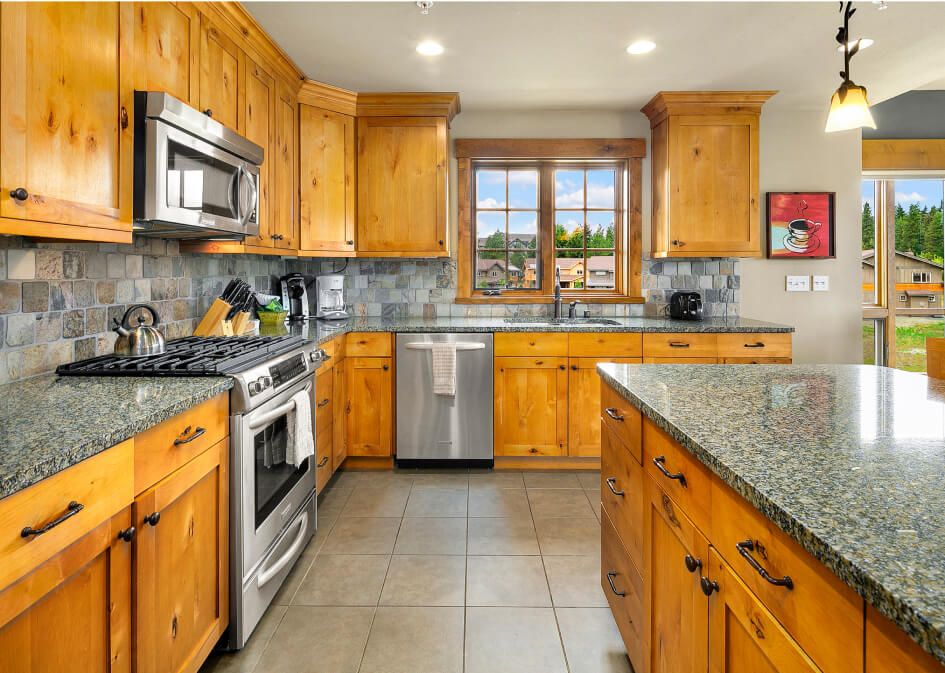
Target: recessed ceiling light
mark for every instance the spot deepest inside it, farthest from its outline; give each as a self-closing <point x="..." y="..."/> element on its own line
<point x="641" y="47"/>
<point x="430" y="48"/>
<point x="864" y="43"/>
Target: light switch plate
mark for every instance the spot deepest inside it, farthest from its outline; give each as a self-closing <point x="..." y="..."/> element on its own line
<point x="798" y="283"/>
<point x="821" y="283"/>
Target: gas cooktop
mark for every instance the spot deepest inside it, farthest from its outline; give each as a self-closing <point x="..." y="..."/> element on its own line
<point x="189" y="356"/>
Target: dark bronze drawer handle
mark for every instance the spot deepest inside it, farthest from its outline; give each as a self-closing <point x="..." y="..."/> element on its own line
<point x="323" y="402"/>
<point x="322" y="462"/>
<point x="610" y="483"/>
<point x="128" y="534"/>
<point x="755" y="345"/>
<point x="71" y="510"/>
<point x="748" y="546"/>
<point x="610" y="579"/>
<point x="612" y="412"/>
<point x="199" y="431"/>
<point x="659" y="460"/>
<point x="677" y="344"/>
<point x="692" y="564"/>
<point x="708" y="586"/>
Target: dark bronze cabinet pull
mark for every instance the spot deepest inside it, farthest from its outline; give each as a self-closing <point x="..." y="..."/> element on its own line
<point x="322" y="462"/>
<point x="678" y="344"/>
<point x="708" y="586"/>
<point x="323" y="402"/>
<point x="153" y="518"/>
<point x="610" y="483"/>
<point x="127" y="534"/>
<point x="659" y="460"/>
<point x="612" y="412"/>
<point x="755" y="345"/>
<point x="610" y="579"/>
<point x="72" y="509"/>
<point x="562" y="367"/>
<point x="692" y="564"/>
<point x="748" y="546"/>
<point x="19" y="194"/>
<point x="197" y="432"/>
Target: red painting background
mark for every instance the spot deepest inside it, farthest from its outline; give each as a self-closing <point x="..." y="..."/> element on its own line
<point x="784" y="207"/>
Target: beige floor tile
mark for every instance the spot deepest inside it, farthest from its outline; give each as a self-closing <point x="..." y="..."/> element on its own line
<point x="593" y="497"/>
<point x="346" y="478"/>
<point x="246" y="659"/>
<point x="334" y="497"/>
<point x="568" y="537"/>
<point x="318" y="640"/>
<point x="512" y="640"/>
<point x="589" y="479"/>
<point x="377" y="501"/>
<point x="294" y="579"/>
<point x="441" y="480"/>
<point x="343" y="580"/>
<point x="497" y="478"/>
<point x="591" y="641"/>
<point x="425" y="581"/>
<point x="429" y="501"/>
<point x="370" y="535"/>
<point x="498" y="502"/>
<point x="559" y="479"/>
<point x="559" y="502"/>
<point x="377" y="478"/>
<point x="507" y="581"/>
<point x="430" y="535"/>
<point x="415" y="640"/>
<point x="503" y="537"/>
<point x="575" y="581"/>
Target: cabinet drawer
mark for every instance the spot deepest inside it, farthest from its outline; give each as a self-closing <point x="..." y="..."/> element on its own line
<point x="621" y="493"/>
<point x="168" y="445"/>
<point x="890" y="650"/>
<point x="679" y="345"/>
<point x="324" y="401"/>
<point x="102" y="485"/>
<point x="622" y="418"/>
<point x="627" y="609"/>
<point x="820" y="612"/>
<point x="596" y="345"/>
<point x="368" y="344"/>
<point x="323" y="456"/>
<point x="755" y="345"/>
<point x="530" y="343"/>
<point x="691" y="487"/>
<point x="680" y="361"/>
<point x="754" y="361"/>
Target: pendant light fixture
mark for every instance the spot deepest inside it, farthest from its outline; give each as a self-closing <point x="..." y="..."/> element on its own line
<point x="848" y="106"/>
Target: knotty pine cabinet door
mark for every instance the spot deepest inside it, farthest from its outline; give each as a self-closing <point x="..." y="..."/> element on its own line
<point x="285" y="170"/>
<point x="66" y="135"/>
<point x="369" y="406"/>
<point x="530" y="406"/>
<point x="221" y="64"/>
<point x="259" y="126"/>
<point x="73" y="613"/>
<point x="167" y="49"/>
<point x="182" y="565"/>
<point x="584" y="404"/>
<point x="339" y="425"/>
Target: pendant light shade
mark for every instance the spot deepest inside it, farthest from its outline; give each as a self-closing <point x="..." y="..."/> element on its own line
<point x="850" y="111"/>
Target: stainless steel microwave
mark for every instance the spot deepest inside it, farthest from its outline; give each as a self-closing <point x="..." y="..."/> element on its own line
<point x="194" y="178"/>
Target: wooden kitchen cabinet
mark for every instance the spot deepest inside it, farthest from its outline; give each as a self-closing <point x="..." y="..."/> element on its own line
<point x="584" y="404"/>
<point x="221" y="64"/>
<point x="339" y="426"/>
<point x="369" y="406"/>
<point x="705" y="198"/>
<point x="66" y="129"/>
<point x="326" y="181"/>
<point x="73" y="612"/>
<point x="324" y="422"/>
<point x="167" y="49"/>
<point x="259" y="111"/>
<point x="181" y="565"/>
<point x="285" y="170"/>
<point x="530" y="406"/>
<point x="890" y="650"/>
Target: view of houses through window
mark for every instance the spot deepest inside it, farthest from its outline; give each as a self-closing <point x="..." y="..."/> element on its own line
<point x="506" y="218"/>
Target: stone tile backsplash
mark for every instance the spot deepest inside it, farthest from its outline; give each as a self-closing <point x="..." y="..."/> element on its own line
<point x="58" y="300"/>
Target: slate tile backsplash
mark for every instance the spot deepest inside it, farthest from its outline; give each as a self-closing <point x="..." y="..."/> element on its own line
<point x="58" y="300"/>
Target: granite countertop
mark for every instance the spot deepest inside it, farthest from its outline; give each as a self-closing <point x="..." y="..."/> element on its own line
<point x="846" y="459"/>
<point x="49" y="423"/>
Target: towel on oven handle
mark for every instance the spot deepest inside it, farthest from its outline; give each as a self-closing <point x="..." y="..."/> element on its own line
<point x="301" y="441"/>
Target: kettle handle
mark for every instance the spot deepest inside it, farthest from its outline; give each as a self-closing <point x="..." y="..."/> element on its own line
<point x="155" y="318"/>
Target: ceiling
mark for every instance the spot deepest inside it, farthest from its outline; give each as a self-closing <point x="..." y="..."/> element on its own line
<point x="571" y="55"/>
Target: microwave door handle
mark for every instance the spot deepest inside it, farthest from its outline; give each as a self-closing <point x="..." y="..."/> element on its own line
<point x="253" y="200"/>
<point x="233" y="192"/>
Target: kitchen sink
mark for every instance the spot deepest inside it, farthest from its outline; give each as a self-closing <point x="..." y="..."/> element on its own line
<point x="533" y="320"/>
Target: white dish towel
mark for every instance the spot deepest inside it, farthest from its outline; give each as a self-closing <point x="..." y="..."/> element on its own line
<point x="444" y="369"/>
<point x="301" y="441"/>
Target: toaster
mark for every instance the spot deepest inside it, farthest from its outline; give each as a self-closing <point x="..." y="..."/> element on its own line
<point x="685" y="306"/>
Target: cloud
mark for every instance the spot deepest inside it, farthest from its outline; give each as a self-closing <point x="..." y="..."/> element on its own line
<point x="523" y="178"/>
<point x="489" y="203"/>
<point x="911" y="198"/>
<point x="598" y="196"/>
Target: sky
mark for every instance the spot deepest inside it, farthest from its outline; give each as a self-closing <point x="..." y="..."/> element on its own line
<point x="924" y="193"/>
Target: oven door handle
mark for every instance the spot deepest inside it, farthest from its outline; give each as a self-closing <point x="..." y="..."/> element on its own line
<point x="266" y="575"/>
<point x="270" y="416"/>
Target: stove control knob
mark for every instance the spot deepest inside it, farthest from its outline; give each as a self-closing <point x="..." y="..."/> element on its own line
<point x="253" y="388"/>
<point x="266" y="382"/>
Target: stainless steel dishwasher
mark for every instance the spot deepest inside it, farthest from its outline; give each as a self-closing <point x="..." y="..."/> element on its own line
<point x="441" y="428"/>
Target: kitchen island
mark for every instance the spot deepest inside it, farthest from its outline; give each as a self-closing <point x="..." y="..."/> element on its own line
<point x="827" y="478"/>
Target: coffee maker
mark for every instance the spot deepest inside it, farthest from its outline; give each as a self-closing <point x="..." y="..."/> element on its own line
<point x="330" y="297"/>
<point x="295" y="296"/>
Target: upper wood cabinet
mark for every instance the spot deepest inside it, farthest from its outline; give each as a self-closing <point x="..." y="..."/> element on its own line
<point x="221" y="61"/>
<point x="167" y="49"/>
<point x="259" y="126"/>
<point x="65" y="119"/>
<point x="704" y="169"/>
<point x="285" y="193"/>
<point x="326" y="181"/>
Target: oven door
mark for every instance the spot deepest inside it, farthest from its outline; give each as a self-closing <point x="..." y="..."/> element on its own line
<point x="271" y="491"/>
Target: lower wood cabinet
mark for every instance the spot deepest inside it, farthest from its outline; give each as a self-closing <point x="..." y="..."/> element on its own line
<point x="890" y="650"/>
<point x="584" y="404"/>
<point x="369" y="408"/>
<point x="624" y="589"/>
<point x="339" y="430"/>
<point x="530" y="406"/>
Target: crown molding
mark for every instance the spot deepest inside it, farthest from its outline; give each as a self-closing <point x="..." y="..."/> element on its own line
<point x="667" y="103"/>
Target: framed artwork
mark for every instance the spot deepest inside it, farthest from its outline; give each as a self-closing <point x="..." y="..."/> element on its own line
<point x="801" y="224"/>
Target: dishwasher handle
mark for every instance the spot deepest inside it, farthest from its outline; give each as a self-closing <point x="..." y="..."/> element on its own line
<point x="460" y="346"/>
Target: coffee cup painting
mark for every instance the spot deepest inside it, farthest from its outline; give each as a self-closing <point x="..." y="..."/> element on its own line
<point x="801" y="224"/>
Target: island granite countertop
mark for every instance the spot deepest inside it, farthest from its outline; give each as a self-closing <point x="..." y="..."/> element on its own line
<point x="846" y="459"/>
<point x="49" y="423"/>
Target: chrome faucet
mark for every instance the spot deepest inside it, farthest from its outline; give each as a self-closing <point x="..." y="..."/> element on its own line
<point x="572" y="308"/>
<point x="557" y="292"/>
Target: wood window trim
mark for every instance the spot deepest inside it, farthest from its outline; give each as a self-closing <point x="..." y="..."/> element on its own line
<point x="629" y="152"/>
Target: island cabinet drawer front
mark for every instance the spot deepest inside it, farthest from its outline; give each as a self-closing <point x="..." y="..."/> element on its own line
<point x="600" y="345"/>
<point x="165" y="447"/>
<point x="324" y="401"/>
<point x="368" y="344"/>
<point x="820" y="612"/>
<point x="621" y="493"/>
<point x="679" y="345"/>
<point x="621" y="418"/>
<point x="890" y="650"/>
<point x="66" y="506"/>
<point x="527" y="344"/>
<point x="619" y="576"/>
<point x="755" y="345"/>
<point x="754" y="361"/>
<point x="687" y="481"/>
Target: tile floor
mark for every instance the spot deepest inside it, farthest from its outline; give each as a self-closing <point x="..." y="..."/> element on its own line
<point x="444" y="572"/>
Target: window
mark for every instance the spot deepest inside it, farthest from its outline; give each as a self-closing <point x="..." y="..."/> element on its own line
<point x="921" y="277"/>
<point x="903" y="297"/>
<point x="529" y="208"/>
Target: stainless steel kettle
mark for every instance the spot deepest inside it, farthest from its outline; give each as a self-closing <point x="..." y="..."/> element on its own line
<point x="142" y="340"/>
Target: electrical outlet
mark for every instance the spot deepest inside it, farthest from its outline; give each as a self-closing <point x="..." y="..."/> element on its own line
<point x="798" y="283"/>
<point x="821" y="283"/>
